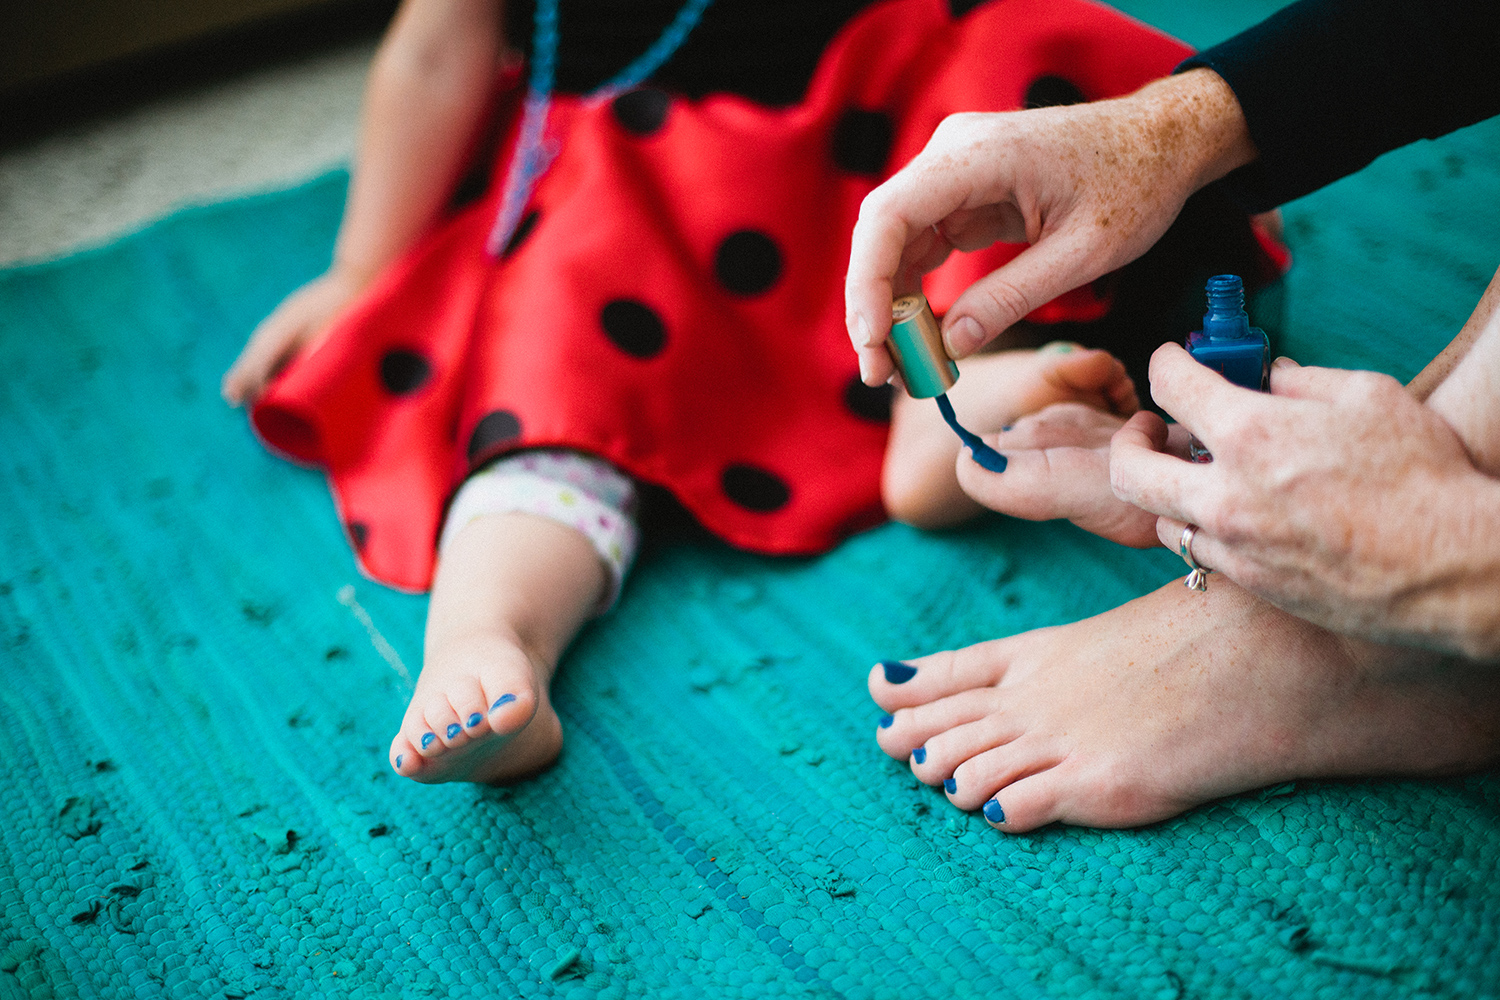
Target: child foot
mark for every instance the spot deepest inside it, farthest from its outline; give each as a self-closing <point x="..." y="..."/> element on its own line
<point x="1172" y="700"/>
<point x="480" y="713"/>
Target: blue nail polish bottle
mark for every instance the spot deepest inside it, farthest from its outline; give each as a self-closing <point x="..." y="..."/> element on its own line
<point x="950" y="786"/>
<point x="475" y="719"/>
<point x="897" y="672"/>
<point x="885" y="721"/>
<point x="1229" y="344"/>
<point x="919" y="755"/>
<point x="993" y="812"/>
<point x="427" y="739"/>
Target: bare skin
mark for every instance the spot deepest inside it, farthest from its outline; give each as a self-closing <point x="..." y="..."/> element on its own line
<point x="918" y="483"/>
<point x="1173" y="700"/>
<point x="512" y="591"/>
<point x="1090" y="187"/>
<point x="510" y="594"/>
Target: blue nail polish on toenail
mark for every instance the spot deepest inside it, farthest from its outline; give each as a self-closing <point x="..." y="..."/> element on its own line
<point x="399" y="759"/>
<point x="427" y="739"/>
<point x="993" y="812"/>
<point x="1007" y="427"/>
<point x="454" y="729"/>
<point x="919" y="755"/>
<point x="504" y="699"/>
<point x="897" y="672"/>
<point x="475" y="720"/>
<point x="950" y="786"/>
<point x="886" y="720"/>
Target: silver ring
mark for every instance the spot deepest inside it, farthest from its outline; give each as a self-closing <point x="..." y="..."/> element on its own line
<point x="1198" y="578"/>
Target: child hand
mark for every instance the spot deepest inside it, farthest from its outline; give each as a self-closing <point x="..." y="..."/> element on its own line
<point x="299" y="322"/>
<point x="1059" y="468"/>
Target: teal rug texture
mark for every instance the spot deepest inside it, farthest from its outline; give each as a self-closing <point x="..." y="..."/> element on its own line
<point x="197" y="689"/>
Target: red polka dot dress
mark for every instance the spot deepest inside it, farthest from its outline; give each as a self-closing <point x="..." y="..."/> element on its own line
<point x="672" y="300"/>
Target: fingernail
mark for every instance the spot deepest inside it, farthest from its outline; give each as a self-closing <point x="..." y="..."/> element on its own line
<point x="962" y="337"/>
<point x="897" y="672"/>
<point x="950" y="786"/>
<point x="864" y="370"/>
<point x="454" y="729"/>
<point x="427" y="739"/>
<point x="919" y="755"/>
<point x="504" y="699"/>
<point x="475" y="719"/>
<point x="1283" y="362"/>
<point x="993" y="812"/>
<point x="865" y="336"/>
<point x="399" y="758"/>
<point x="885" y="721"/>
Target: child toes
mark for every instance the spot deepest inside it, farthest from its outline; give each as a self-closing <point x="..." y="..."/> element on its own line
<point x="405" y="760"/>
<point x="443" y="722"/>
<point x="509" y="706"/>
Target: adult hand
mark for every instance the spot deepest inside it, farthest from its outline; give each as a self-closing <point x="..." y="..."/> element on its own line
<point x="1090" y="186"/>
<point x="1058" y="467"/>
<point x="1337" y="497"/>
<point x="298" y="322"/>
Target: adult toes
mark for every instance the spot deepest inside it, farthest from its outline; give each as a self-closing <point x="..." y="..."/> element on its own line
<point x="944" y="753"/>
<point x="906" y="731"/>
<point x="903" y="683"/>
<point x="1027" y="803"/>
<point x="984" y="775"/>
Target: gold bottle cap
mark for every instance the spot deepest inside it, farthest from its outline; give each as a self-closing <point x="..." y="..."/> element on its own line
<point x="916" y="345"/>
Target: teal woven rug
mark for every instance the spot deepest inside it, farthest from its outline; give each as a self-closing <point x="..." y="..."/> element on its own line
<point x="196" y="692"/>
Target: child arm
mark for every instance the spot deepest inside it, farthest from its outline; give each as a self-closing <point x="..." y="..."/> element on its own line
<point x="429" y="87"/>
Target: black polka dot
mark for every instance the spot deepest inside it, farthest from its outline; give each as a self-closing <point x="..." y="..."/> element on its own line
<point x="747" y="262"/>
<point x="641" y="111"/>
<point x="403" y="372"/>
<point x="359" y="533"/>
<point x="498" y="427"/>
<point x="868" y="403"/>
<point x="962" y="7"/>
<point x="862" y="141"/>
<point x="522" y="231"/>
<point x="755" y="489"/>
<point x="1053" y="92"/>
<point x="633" y="327"/>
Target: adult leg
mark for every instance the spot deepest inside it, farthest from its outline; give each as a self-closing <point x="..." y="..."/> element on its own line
<point x="1172" y="700"/>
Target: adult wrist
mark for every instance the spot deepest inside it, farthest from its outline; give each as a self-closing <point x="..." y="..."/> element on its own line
<point x="1197" y="112"/>
<point x="1460" y="609"/>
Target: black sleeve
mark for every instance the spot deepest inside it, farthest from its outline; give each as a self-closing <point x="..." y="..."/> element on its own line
<point x="1328" y="85"/>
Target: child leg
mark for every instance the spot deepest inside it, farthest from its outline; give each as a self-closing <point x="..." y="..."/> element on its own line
<point x="526" y="560"/>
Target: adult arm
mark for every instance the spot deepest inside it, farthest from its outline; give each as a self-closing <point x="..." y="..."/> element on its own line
<point x="429" y="87"/>
<point x="1313" y="93"/>
<point x="1340" y="497"/>
<point x="1326" y="86"/>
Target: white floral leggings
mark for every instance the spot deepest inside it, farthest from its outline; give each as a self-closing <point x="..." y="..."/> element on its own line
<point x="574" y="489"/>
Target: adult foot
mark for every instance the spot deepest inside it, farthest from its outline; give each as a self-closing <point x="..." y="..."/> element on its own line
<point x="1172" y="700"/>
<point x="510" y="593"/>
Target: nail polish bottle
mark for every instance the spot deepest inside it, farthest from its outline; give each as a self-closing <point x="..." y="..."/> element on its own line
<point x="916" y="345"/>
<point x="1229" y="344"/>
